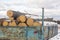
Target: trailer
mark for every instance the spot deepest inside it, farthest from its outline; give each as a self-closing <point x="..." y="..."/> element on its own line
<point x="44" y="32"/>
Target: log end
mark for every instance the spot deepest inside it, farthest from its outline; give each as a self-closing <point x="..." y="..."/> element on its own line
<point x="13" y="23"/>
<point x="9" y="13"/>
<point x="5" y="23"/>
<point x="22" y="25"/>
<point x="30" y="22"/>
<point x="22" y="18"/>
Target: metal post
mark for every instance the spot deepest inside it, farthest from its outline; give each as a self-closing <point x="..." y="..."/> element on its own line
<point x="42" y="23"/>
<point x="26" y="33"/>
<point x="48" y="31"/>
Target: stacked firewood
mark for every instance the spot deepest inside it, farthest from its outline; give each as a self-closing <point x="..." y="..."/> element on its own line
<point x="19" y="19"/>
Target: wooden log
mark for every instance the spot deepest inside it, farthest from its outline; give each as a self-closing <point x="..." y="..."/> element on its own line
<point x="30" y="22"/>
<point x="22" y="24"/>
<point x="10" y="13"/>
<point x="11" y="18"/>
<point x="2" y="20"/>
<point x="15" y="14"/>
<point x="22" y="18"/>
<point x="13" y="23"/>
<point x="5" y="23"/>
<point x="37" y="24"/>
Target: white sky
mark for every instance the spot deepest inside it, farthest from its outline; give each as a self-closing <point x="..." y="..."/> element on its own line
<point x="52" y="7"/>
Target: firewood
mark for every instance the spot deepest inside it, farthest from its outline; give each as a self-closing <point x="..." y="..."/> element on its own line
<point x="22" y="18"/>
<point x="15" y="14"/>
<point x="13" y="23"/>
<point x="22" y="24"/>
<point x="5" y="23"/>
<point x="30" y="22"/>
<point x="11" y="18"/>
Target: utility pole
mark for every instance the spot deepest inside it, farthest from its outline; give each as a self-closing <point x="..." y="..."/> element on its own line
<point x="42" y="23"/>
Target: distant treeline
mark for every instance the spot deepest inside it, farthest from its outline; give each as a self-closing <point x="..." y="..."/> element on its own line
<point x="57" y="21"/>
<point x="49" y="19"/>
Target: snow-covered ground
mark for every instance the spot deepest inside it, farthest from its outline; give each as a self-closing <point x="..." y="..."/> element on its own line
<point x="57" y="37"/>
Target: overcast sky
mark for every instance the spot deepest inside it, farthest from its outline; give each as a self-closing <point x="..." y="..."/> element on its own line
<point x="52" y="7"/>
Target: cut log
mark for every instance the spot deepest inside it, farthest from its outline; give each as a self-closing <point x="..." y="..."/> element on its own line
<point x="10" y="13"/>
<point x="22" y="24"/>
<point x="22" y="18"/>
<point x="15" y="14"/>
<point x="5" y="23"/>
<point x="37" y="24"/>
<point x="13" y="23"/>
<point x="2" y="20"/>
<point x="11" y="18"/>
<point x="30" y="22"/>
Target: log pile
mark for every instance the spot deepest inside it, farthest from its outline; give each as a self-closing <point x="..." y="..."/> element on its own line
<point x="19" y="19"/>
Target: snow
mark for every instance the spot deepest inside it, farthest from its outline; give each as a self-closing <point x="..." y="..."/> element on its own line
<point x="57" y="37"/>
<point x="47" y="23"/>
